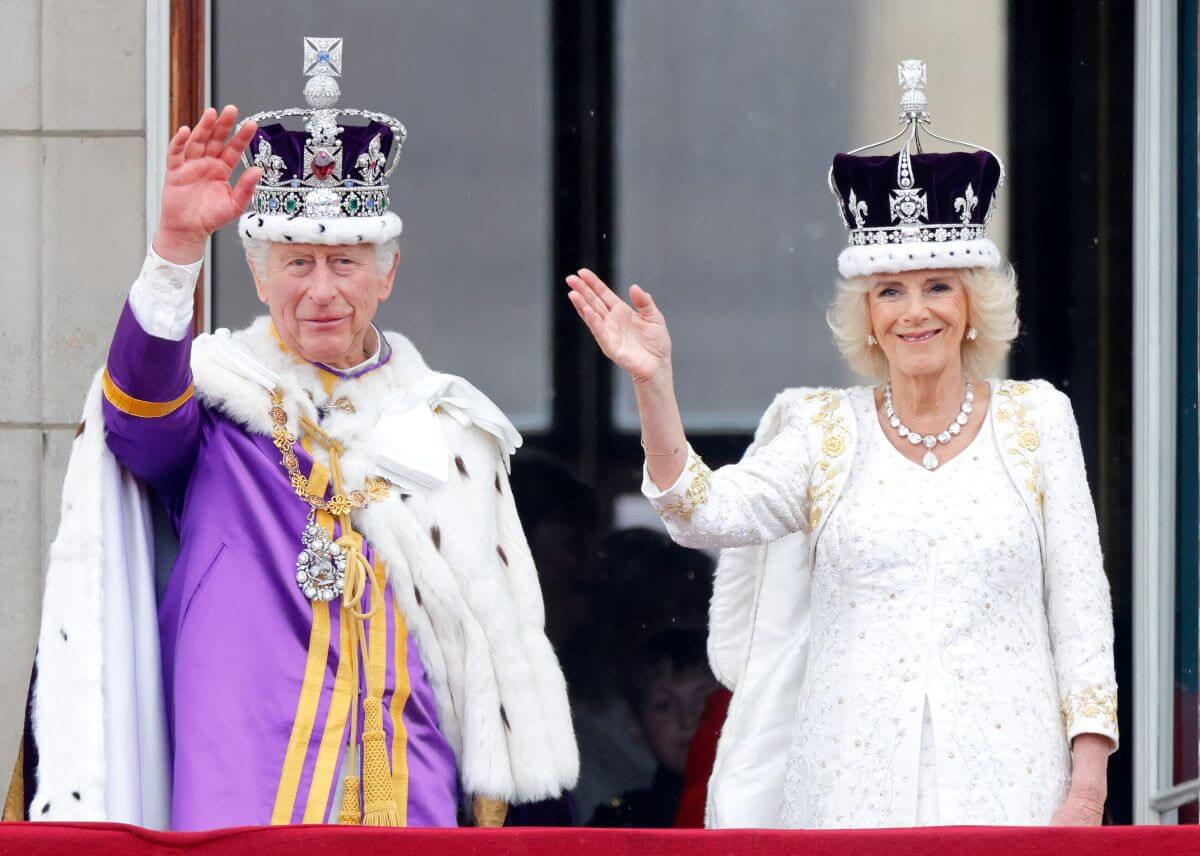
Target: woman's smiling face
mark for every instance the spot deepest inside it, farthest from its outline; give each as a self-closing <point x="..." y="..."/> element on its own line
<point x="919" y="319"/>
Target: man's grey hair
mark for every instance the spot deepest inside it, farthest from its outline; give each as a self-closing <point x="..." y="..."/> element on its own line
<point x="257" y="248"/>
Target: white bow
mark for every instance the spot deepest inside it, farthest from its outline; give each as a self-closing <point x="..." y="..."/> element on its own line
<point x="411" y="448"/>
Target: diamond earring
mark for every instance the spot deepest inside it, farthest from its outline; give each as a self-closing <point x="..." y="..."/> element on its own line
<point x="972" y="335"/>
<point x="870" y="341"/>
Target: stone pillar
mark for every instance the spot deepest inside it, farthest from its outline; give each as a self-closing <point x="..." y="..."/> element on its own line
<point x="72" y="137"/>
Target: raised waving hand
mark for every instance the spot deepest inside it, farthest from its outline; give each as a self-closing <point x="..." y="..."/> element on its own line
<point x="197" y="198"/>
<point x="634" y="336"/>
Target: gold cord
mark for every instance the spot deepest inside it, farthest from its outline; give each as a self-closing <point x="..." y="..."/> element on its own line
<point x="378" y="806"/>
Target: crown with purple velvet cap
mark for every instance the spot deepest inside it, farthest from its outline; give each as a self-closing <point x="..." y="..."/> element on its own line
<point x="326" y="184"/>
<point x="915" y="210"/>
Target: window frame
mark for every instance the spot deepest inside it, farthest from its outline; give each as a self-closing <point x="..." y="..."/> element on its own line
<point x="1156" y="529"/>
<point x="582" y="432"/>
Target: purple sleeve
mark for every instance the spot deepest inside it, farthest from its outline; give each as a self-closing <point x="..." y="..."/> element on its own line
<point x="151" y="418"/>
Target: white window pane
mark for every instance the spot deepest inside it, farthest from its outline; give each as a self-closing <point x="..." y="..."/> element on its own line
<point x="470" y="80"/>
<point x="729" y="115"/>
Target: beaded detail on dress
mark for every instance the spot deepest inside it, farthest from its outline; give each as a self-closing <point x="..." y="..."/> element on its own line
<point x="1030" y="625"/>
<point x="926" y="587"/>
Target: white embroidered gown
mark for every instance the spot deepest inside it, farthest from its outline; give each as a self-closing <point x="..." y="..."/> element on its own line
<point x="922" y="588"/>
<point x="948" y="664"/>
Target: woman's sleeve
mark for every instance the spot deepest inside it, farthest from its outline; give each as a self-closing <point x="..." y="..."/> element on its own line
<point x="1077" y="598"/>
<point x="755" y="501"/>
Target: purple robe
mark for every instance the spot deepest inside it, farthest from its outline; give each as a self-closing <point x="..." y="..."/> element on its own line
<point x="258" y="712"/>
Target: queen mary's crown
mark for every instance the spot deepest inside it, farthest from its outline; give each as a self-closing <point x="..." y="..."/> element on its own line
<point x="916" y="210"/>
<point x="327" y="183"/>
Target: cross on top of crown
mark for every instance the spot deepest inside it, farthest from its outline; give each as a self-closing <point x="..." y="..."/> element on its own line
<point x="910" y="74"/>
<point x="914" y="106"/>
<point x="322" y="57"/>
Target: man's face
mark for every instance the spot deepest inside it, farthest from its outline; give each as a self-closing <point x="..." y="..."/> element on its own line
<point x="323" y="298"/>
<point x="671" y="711"/>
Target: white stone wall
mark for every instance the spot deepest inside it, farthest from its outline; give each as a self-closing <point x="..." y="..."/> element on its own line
<point x="72" y="141"/>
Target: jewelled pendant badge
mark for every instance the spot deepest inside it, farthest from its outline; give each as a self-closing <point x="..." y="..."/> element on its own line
<point x="321" y="562"/>
<point x="321" y="565"/>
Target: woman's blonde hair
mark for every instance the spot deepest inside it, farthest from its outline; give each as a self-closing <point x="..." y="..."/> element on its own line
<point x="992" y="311"/>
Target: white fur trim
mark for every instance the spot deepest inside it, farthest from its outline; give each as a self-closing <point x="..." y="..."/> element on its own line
<point x="98" y="717"/>
<point x="71" y="756"/>
<point x="894" y="258"/>
<point x="472" y="599"/>
<point x="283" y="229"/>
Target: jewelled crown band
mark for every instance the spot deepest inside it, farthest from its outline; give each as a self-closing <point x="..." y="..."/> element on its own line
<point x="329" y="182"/>
<point x="913" y="210"/>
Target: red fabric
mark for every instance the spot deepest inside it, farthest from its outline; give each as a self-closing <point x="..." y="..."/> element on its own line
<point x="702" y="754"/>
<point x="98" y="839"/>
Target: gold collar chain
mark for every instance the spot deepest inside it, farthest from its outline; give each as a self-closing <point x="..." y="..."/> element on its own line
<point x="340" y="504"/>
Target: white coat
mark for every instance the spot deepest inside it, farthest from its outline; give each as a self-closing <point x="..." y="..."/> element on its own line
<point x="767" y="514"/>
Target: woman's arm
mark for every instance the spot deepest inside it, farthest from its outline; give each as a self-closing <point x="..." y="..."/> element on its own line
<point x="1084" y="805"/>
<point x="635" y="337"/>
<point x="1078" y="608"/>
<point x="758" y="500"/>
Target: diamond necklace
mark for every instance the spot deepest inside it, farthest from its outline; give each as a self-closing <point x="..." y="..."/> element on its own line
<point x="930" y="461"/>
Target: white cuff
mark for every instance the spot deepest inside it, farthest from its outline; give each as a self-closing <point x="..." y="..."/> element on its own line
<point x="689" y="492"/>
<point x="1091" y="710"/>
<point x="161" y="296"/>
<point x="659" y="497"/>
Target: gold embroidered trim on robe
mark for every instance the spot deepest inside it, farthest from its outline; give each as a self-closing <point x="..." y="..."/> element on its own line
<point x="126" y="403"/>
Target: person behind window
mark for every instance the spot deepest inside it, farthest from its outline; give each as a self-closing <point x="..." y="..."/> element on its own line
<point x="910" y="605"/>
<point x="666" y="683"/>
<point x="645" y="583"/>
<point x="560" y="516"/>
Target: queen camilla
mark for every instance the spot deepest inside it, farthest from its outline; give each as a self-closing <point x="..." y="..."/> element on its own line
<point x="911" y="606"/>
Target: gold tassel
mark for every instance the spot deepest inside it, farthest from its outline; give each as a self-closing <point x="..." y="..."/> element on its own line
<point x="489" y="813"/>
<point x="351" y="813"/>
<point x="380" y="799"/>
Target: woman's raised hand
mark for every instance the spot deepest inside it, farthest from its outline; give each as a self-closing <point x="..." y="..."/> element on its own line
<point x="197" y="198"/>
<point x="634" y="337"/>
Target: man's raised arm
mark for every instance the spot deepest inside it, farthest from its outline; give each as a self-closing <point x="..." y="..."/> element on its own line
<point x="151" y="417"/>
